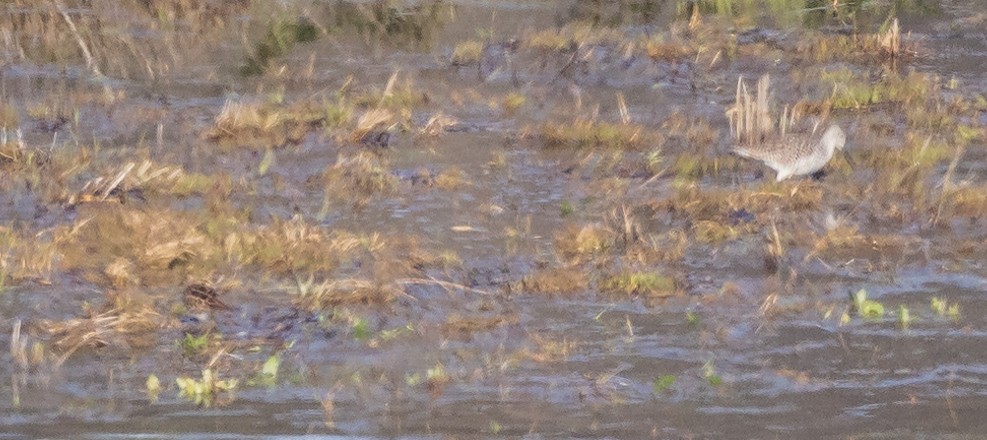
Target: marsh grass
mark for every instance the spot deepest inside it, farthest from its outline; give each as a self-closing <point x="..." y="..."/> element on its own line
<point x="886" y="46"/>
<point x="281" y="36"/>
<point x="556" y="281"/>
<point x="400" y="94"/>
<point x="106" y="37"/>
<point x="358" y="178"/>
<point x="161" y="246"/>
<point x="592" y="134"/>
<point x="571" y="36"/>
<point x="27" y="255"/>
<point x="378" y="119"/>
<point x="513" y="102"/>
<point x="287" y="247"/>
<point x="451" y="179"/>
<point x="458" y="324"/>
<point x="576" y="244"/>
<point x="540" y="348"/>
<point x="265" y="124"/>
<point x="116" y="328"/>
<point x="144" y="179"/>
<point x="847" y="242"/>
<point x="392" y="21"/>
<point x="668" y="48"/>
<point x="467" y="53"/>
<point x="697" y="204"/>
<point x="639" y="283"/>
<point x="964" y="201"/>
<point x="855" y="90"/>
<point x="337" y="292"/>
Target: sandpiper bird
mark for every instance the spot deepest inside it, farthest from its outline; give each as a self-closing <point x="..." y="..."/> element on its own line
<point x="795" y="155"/>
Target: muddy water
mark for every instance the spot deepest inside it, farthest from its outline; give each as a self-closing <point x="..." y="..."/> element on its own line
<point x="747" y="362"/>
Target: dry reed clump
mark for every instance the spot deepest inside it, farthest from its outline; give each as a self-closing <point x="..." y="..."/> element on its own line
<point x="752" y="118"/>
<point x="437" y="124"/>
<point x="264" y="125"/>
<point x="887" y="44"/>
<point x="541" y="348"/>
<point x="709" y="231"/>
<point x="158" y="247"/>
<point x="359" y="178"/>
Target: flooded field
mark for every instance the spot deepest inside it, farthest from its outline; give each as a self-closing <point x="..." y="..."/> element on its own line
<point x="510" y="219"/>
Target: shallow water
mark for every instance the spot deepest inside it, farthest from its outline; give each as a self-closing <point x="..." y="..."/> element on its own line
<point x="769" y="358"/>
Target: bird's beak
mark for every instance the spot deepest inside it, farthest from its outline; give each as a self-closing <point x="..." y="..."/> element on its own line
<point x="848" y="158"/>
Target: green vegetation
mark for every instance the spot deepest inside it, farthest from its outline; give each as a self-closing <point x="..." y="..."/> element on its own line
<point x="204" y="391"/>
<point x="864" y="307"/>
<point x="592" y="134"/>
<point x="662" y="384"/>
<point x="280" y="38"/>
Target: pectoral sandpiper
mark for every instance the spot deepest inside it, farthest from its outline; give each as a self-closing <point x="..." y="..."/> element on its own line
<point x="795" y="155"/>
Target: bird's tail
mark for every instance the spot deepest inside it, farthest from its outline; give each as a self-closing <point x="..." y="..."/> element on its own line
<point x="741" y="151"/>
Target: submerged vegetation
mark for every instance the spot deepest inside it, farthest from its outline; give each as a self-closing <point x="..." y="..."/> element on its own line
<point x="369" y="197"/>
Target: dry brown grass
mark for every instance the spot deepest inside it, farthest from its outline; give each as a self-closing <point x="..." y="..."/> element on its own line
<point x="264" y="125"/>
<point x="359" y="178"/>
<point x="966" y="201"/>
<point x="451" y="178"/>
<point x="546" y="349"/>
<point x="562" y="281"/>
<point x="887" y="44"/>
<point x="27" y="255"/>
<point x="668" y="48"/>
<point x="645" y="284"/>
<point x="157" y="247"/>
<point x="847" y="242"/>
<point x="318" y="296"/>
<point x="752" y="117"/>
<point x="143" y="179"/>
<point x="371" y="120"/>
<point x="570" y="36"/>
<point x="116" y="328"/>
<point x="576" y="244"/>
<point x="287" y="247"/>
<point x="467" y="53"/>
<point x="457" y="324"/>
